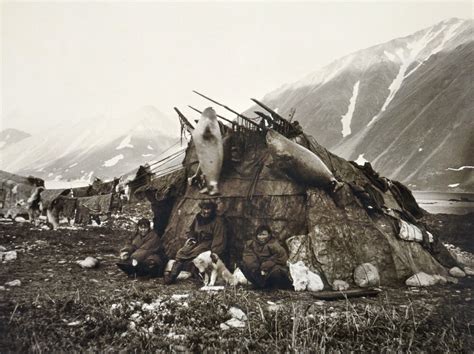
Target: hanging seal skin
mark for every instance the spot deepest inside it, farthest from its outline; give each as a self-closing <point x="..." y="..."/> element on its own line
<point x="299" y="162"/>
<point x="209" y="148"/>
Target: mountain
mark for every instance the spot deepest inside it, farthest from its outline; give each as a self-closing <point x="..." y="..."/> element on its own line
<point x="102" y="146"/>
<point x="10" y="136"/>
<point x="406" y="106"/>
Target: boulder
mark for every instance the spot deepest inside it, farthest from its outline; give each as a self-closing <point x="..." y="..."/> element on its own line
<point x="8" y="256"/>
<point x="457" y="272"/>
<point x="422" y="279"/>
<point x="468" y="271"/>
<point x="366" y="275"/>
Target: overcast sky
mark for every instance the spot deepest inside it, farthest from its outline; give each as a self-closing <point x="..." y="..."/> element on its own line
<point x="63" y="61"/>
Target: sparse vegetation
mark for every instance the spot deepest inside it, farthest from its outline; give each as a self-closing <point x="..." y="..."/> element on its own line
<point x="61" y="307"/>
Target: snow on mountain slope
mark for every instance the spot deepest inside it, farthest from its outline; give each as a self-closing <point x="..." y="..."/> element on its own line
<point x="98" y="146"/>
<point x="388" y="101"/>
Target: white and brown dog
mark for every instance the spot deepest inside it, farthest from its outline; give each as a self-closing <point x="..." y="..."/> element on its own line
<point x="213" y="268"/>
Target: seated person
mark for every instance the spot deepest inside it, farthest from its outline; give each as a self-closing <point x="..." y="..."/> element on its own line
<point x="264" y="261"/>
<point x="207" y="232"/>
<point x="144" y="253"/>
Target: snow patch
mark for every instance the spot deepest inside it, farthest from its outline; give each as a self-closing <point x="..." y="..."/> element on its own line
<point x="448" y="34"/>
<point x="89" y="176"/>
<point x="74" y="164"/>
<point x="407" y="57"/>
<point x="347" y="118"/>
<point x="149" y="147"/>
<point x="113" y="161"/>
<point x="2" y="144"/>
<point x="454" y="185"/>
<point x="389" y="55"/>
<point x="50" y="174"/>
<point x="147" y="155"/>
<point x="420" y="149"/>
<point x="125" y="143"/>
<point x="58" y="178"/>
<point x="361" y="160"/>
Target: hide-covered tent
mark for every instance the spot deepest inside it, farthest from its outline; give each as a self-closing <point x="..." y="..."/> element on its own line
<point x="142" y="178"/>
<point x="332" y="231"/>
<point x="14" y="190"/>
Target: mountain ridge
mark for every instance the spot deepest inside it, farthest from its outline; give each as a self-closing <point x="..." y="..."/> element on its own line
<point x="397" y="81"/>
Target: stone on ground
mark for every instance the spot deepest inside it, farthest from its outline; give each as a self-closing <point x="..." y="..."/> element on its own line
<point x="340" y="285"/>
<point x="422" y="279"/>
<point x="366" y="275"/>
<point x="457" y="272"/>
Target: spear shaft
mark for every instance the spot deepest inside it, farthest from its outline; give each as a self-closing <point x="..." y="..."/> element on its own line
<point x="229" y="109"/>
<point x="221" y="117"/>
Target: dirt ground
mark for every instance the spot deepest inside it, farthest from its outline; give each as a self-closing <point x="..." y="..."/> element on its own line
<point x="60" y="306"/>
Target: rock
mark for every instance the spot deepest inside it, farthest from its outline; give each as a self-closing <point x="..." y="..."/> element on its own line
<point x="232" y="323"/>
<point x="237" y="313"/>
<point x="20" y="219"/>
<point x="440" y="279"/>
<point x="89" y="262"/>
<point x="421" y="279"/>
<point x="366" y="275"/>
<point x="452" y="280"/>
<point x="74" y="323"/>
<point x="15" y="282"/>
<point x="154" y="306"/>
<point x="2" y="288"/>
<point x="224" y="327"/>
<point x="9" y="256"/>
<point x="340" y="285"/>
<point x="2" y="249"/>
<point x="468" y="271"/>
<point x="457" y="272"/>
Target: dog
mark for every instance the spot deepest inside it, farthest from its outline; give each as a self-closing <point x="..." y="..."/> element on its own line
<point x="35" y="206"/>
<point x="213" y="268"/>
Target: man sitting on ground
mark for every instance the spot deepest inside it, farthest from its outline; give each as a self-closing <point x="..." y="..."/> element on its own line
<point x="264" y="261"/>
<point x="144" y="254"/>
<point x="207" y="232"/>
